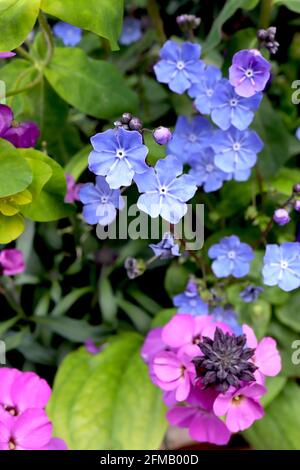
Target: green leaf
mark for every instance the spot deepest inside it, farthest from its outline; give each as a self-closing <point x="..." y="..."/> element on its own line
<point x="11" y="228"/>
<point x="230" y="7"/>
<point x="285" y="339"/>
<point x="77" y="331"/>
<point x="17" y="19"/>
<point x="41" y="172"/>
<point x="235" y="197"/>
<point x="176" y="279"/>
<point x="50" y="204"/>
<point x="288" y="313"/>
<point x="79" y="163"/>
<point x="275" y="137"/>
<point x="130" y="412"/>
<point x="163" y="317"/>
<point x="293" y="5"/>
<point x="6" y="325"/>
<point x="94" y="87"/>
<point x="103" y="17"/>
<point x="145" y="302"/>
<point x="274" y="386"/>
<point x="138" y="316"/>
<point x="107" y="300"/>
<point x="69" y="300"/>
<point x="284" y="181"/>
<point x="280" y="427"/>
<point x="257" y="314"/>
<point x="15" y="173"/>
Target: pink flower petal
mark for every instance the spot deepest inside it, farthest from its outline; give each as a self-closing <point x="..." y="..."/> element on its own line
<point x="32" y="430"/>
<point x="180" y="416"/>
<point x="183" y="389"/>
<point x="222" y="403"/>
<point x="267" y="357"/>
<point x="250" y="335"/>
<point x="7" y="378"/>
<point x="179" y="331"/>
<point x="30" y="391"/>
<point x="242" y="415"/>
<point x="56" y="444"/>
<point x="205" y="427"/>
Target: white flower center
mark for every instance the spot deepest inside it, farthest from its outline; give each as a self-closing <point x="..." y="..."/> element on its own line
<point x="249" y="73"/>
<point x="231" y="254"/>
<point x="236" y="146"/>
<point x="104" y="200"/>
<point x="180" y="65"/>
<point x="163" y="190"/>
<point x="284" y="264"/>
<point x="209" y="92"/>
<point x="209" y="168"/>
<point x="192" y="137"/>
<point x="233" y="102"/>
<point x="120" y="153"/>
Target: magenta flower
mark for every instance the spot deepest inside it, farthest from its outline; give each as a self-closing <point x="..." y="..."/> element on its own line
<point x="174" y="372"/>
<point x="20" y="391"/>
<point x="23" y="135"/>
<point x="266" y="356"/>
<point x="241" y="407"/>
<point x="11" y="262"/>
<point x="7" y="55"/>
<point x="6" y="118"/>
<point x="30" y="431"/>
<point x="249" y="72"/>
<point x="92" y="348"/>
<point x="153" y="344"/>
<point x="56" y="444"/>
<point x="199" y="418"/>
<point x="72" y="194"/>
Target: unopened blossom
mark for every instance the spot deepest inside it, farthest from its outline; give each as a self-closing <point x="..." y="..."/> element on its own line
<point x="73" y="189"/>
<point x="11" y="262"/>
<point x="91" y="347"/>
<point x="282" y="266"/>
<point x="297" y="205"/>
<point x="118" y="155"/>
<point x="190" y="301"/>
<point x="131" y="32"/>
<point x="162" y="135"/>
<point x="165" y="190"/>
<point x="69" y="34"/>
<point x="167" y="248"/>
<point x="203" y="91"/>
<point x="190" y="137"/>
<point x="267" y="39"/>
<point x="240" y="406"/>
<point x="7" y="55"/>
<point x="231" y="257"/>
<point x="281" y="216"/>
<point x="251" y="293"/>
<point x="179" y="65"/>
<point x="249" y="72"/>
<point x="100" y="202"/>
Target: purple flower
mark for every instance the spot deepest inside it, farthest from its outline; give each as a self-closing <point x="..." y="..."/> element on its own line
<point x="205" y="172"/>
<point x="56" y="444"/>
<point x="119" y="155"/>
<point x="73" y="189"/>
<point x="23" y="135"/>
<point x="229" y="108"/>
<point x="227" y="316"/>
<point x="190" y="301"/>
<point x="91" y="347"/>
<point x="166" y="248"/>
<point x="199" y="418"/>
<point x="162" y="135"/>
<point x="6" y="118"/>
<point x="100" y="202"/>
<point x="204" y="89"/>
<point x="282" y="266"/>
<point x="190" y="137"/>
<point x="179" y="66"/>
<point x="236" y="150"/>
<point x="297" y="205"/>
<point x="11" y="262"/>
<point x="281" y="217"/>
<point x="231" y="257"/>
<point x="69" y="34"/>
<point x="165" y="192"/>
<point x="131" y="32"/>
<point x="249" y="72"/>
<point x="297" y="133"/>
<point x="241" y="407"/>
<point x="153" y="344"/>
<point x="7" y="55"/>
<point x="251" y="293"/>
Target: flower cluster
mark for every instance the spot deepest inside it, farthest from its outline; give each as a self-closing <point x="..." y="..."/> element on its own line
<point x="11" y="262"/>
<point x="21" y="135"/>
<point x="24" y="424"/>
<point x="212" y="378"/>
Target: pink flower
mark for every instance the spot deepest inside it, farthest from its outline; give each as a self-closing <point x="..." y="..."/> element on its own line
<point x="72" y="194"/>
<point x="56" y="444"/>
<point x="20" y="391"/>
<point x="6" y="118"/>
<point x="174" y="372"/>
<point x="11" y="262"/>
<point x="241" y="407"/>
<point x="266" y="357"/>
<point x="153" y="344"/>
<point x="30" y="431"/>
<point x="7" y="55"/>
<point x="199" y="418"/>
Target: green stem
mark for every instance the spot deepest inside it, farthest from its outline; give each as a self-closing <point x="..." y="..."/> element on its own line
<point x="27" y="87"/>
<point x="23" y="53"/>
<point x="265" y="13"/>
<point x="48" y="37"/>
<point x="154" y="14"/>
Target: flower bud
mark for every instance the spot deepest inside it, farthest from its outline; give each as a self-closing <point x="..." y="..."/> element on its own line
<point x="296" y="188"/>
<point x="134" y="267"/>
<point x="126" y="118"/>
<point x="135" y="124"/>
<point x="281" y="217"/>
<point x="297" y="205"/>
<point x="162" y="135"/>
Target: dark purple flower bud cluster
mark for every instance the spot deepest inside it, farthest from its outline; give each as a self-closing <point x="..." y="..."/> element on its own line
<point x="267" y="40"/>
<point x="21" y="135"/>
<point x="129" y="123"/>
<point x="188" y="22"/>
<point x="225" y="361"/>
<point x="134" y="267"/>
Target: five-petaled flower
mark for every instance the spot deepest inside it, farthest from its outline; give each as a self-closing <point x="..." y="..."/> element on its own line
<point x="282" y="266"/>
<point x="231" y="257"/>
<point x="203" y="91"/>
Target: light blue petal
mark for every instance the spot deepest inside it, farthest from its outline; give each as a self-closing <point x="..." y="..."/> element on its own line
<point x="146" y="181"/>
<point x="121" y="175"/>
<point x="150" y="203"/>
<point x="105" y="141"/>
<point x="100" y="163"/>
<point x="172" y="210"/>
<point x="165" y="71"/>
<point x="183" y="188"/>
<point x="179" y="83"/>
<point x="289" y="281"/>
<point x="222" y="267"/>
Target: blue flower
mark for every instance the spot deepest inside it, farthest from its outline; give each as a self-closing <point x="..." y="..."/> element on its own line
<point x="231" y="257"/>
<point x="69" y="34"/>
<point x="251" y="293"/>
<point x="190" y="137"/>
<point x="179" y="66"/>
<point x="131" y="32"/>
<point x="190" y="301"/>
<point x="228" y="108"/>
<point x="204" y="90"/>
<point x="164" y="193"/>
<point x="205" y="172"/>
<point x="166" y="248"/>
<point x="229" y="317"/>
<point x="118" y="154"/>
<point x="100" y="202"/>
<point x="282" y="266"/>
<point x="236" y="150"/>
<point x="297" y="134"/>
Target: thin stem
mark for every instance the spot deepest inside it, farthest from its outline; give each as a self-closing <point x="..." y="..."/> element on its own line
<point x="23" y="53"/>
<point x="154" y="14"/>
<point x="27" y="87"/>
<point x="12" y="302"/>
<point x="265" y="13"/>
<point x="48" y="37"/>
